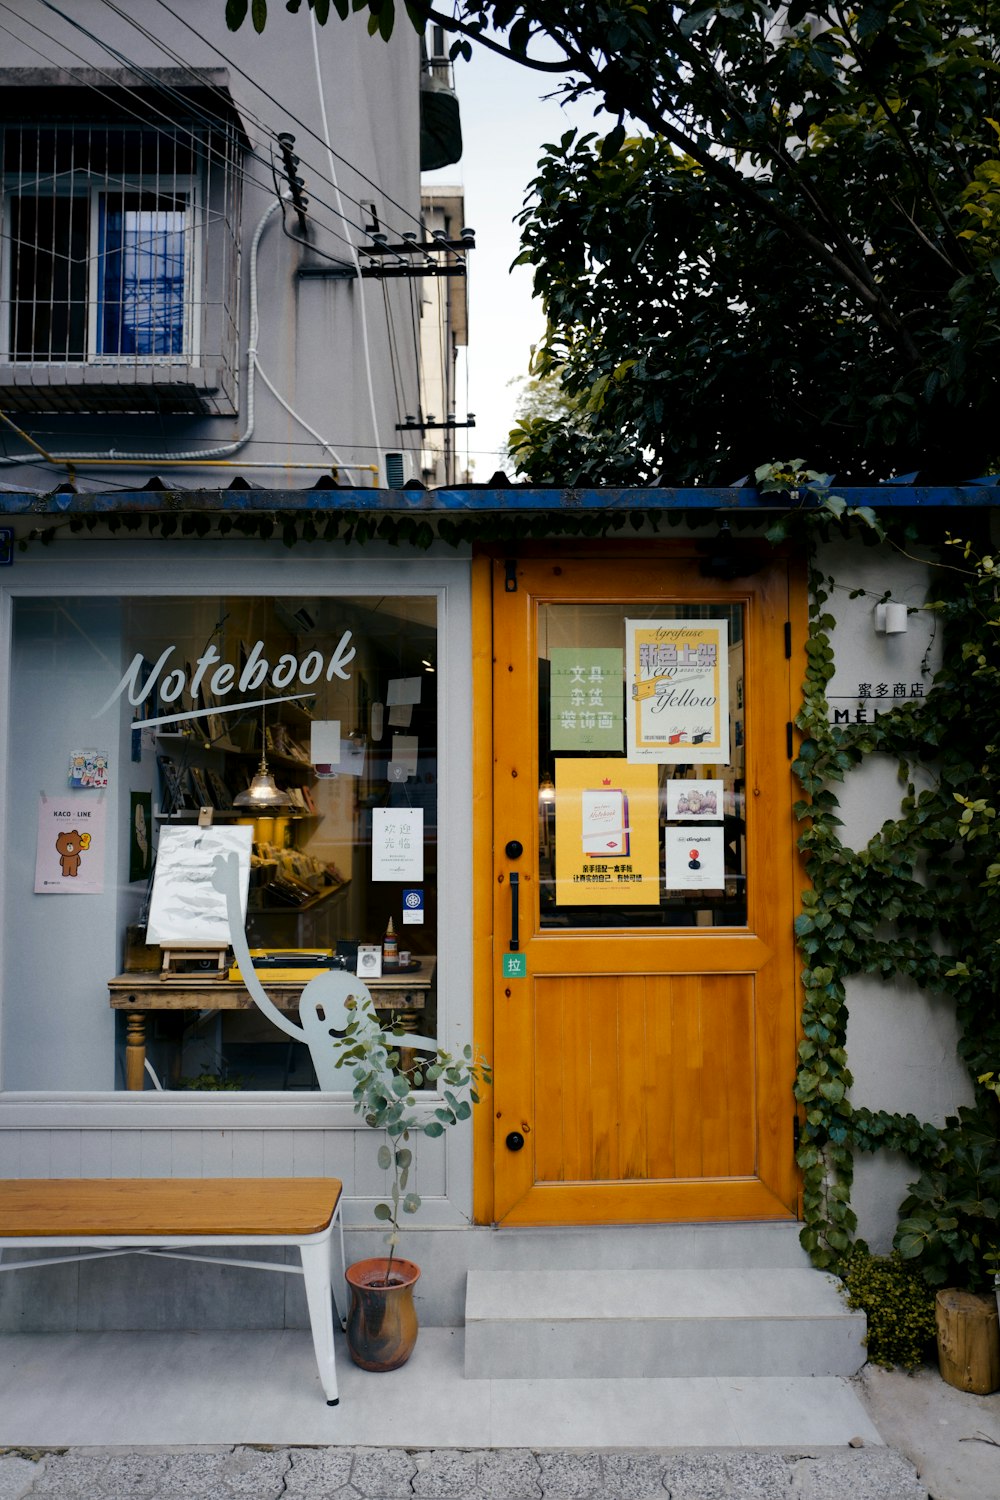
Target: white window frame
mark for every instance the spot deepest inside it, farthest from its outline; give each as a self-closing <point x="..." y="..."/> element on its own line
<point x="186" y="187"/>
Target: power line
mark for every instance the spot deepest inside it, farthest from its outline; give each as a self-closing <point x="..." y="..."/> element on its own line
<point x="178" y="129"/>
<point x="205" y="115"/>
<point x="256" y="83"/>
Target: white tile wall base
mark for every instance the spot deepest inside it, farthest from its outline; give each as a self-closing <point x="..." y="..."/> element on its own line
<point x="665" y="1324"/>
<point x="120" y="1389"/>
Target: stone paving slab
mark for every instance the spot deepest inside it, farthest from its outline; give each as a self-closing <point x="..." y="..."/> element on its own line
<point x="252" y="1473"/>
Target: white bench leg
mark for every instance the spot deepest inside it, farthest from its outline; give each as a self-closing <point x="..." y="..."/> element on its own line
<point x="316" y="1269"/>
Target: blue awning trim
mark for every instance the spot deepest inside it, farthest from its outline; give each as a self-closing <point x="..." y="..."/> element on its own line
<point x="883" y="497"/>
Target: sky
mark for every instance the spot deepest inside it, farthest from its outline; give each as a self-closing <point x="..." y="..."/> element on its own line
<point x="505" y="121"/>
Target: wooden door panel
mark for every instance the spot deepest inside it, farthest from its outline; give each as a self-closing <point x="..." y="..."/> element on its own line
<point x="643" y="1071"/>
<point x="645" y="1077"/>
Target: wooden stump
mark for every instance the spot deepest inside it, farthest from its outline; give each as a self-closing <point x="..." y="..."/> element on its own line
<point x="968" y="1339"/>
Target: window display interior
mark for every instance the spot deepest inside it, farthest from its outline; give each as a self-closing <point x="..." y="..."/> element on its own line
<point x="334" y="701"/>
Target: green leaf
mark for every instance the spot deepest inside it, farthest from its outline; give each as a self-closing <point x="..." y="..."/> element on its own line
<point x="384" y="1157"/>
<point x="383" y="1212"/>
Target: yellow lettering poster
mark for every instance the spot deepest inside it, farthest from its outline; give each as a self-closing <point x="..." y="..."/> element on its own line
<point x="677" y="674"/>
<point x="607" y="833"/>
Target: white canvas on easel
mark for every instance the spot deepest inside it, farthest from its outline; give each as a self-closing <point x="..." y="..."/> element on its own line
<point x="185" y="908"/>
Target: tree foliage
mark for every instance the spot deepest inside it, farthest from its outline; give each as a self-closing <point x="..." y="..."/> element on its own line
<point x="786" y="241"/>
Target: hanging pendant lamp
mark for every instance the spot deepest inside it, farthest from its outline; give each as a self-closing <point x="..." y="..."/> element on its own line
<point x="262" y="795"/>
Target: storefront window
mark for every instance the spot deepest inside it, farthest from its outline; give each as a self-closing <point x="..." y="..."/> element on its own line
<point x="641" y="750"/>
<point x="137" y="718"/>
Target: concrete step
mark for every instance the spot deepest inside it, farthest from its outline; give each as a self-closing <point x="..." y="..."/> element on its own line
<point x="524" y="1325"/>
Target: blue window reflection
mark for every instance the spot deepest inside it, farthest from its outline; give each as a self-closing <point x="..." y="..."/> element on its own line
<point x="141" y="269"/>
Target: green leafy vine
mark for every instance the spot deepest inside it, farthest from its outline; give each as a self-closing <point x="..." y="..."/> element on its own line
<point x="918" y="901"/>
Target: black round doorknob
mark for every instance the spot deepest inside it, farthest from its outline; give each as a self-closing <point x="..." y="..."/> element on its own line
<point x="514" y="849"/>
<point x="515" y="1141"/>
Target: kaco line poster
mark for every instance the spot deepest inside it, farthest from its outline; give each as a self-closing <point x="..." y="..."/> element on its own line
<point x="677" y="682"/>
<point x="607" y="833"/>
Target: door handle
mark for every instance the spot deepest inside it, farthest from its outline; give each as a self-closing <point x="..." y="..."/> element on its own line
<point x="515" y="882"/>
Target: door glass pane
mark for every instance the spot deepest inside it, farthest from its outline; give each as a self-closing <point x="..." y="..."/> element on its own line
<point x="641" y="802"/>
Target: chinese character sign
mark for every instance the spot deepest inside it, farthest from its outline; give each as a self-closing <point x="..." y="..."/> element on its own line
<point x="585" y="697"/>
<point x="397" y="843"/>
<point x="607" y="833"/>
<point x="677" y="691"/>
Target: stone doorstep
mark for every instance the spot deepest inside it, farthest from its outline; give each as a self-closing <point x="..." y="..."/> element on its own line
<point x="596" y="1324"/>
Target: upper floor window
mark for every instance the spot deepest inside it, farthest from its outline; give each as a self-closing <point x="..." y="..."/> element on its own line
<point x="119" y="252"/>
<point x="101" y="233"/>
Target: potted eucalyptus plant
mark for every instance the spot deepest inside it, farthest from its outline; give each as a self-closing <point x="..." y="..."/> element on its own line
<point x="381" y="1319"/>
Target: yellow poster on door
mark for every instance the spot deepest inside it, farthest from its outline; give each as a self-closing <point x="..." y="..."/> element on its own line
<point x="677" y="676"/>
<point x="607" y="833"/>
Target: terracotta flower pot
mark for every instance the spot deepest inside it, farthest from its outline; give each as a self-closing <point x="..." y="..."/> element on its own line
<point x="381" y="1320"/>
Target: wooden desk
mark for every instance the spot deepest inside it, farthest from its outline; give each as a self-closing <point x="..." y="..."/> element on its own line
<point x="137" y="994"/>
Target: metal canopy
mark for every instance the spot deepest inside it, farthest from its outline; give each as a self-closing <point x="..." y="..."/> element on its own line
<point x="514" y="498"/>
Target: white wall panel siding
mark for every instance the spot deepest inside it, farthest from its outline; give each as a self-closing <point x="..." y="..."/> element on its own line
<point x="307" y="1153"/>
<point x="247" y="1153"/>
<point x="126" y="1154"/>
<point x="188" y="1156"/>
<point x="36" y="1154"/>
<point x="155" y="1153"/>
<point x="95" y="1152"/>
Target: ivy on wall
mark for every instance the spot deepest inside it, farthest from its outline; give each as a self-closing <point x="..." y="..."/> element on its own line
<point x="918" y="901"/>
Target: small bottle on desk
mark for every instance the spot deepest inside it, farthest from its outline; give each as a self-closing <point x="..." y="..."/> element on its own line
<point x="390" y="947"/>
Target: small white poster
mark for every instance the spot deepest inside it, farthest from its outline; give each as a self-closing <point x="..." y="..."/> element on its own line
<point x="693" y="859"/>
<point x="397" y="843"/>
<point x="69" y="859"/>
<point x="324" y="746"/>
<point x="403" y="690"/>
<point x="352" y="757"/>
<point x="405" y="749"/>
<point x="695" y="800"/>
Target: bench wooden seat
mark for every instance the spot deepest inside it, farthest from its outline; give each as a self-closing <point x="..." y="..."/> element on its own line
<point x="165" y="1216"/>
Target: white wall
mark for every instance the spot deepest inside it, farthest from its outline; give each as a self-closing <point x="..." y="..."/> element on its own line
<point x="901" y="1041"/>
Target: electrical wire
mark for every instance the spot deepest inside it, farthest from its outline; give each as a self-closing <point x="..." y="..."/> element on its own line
<point x="249" y="114"/>
<point x="256" y="83"/>
<point x="212" y="121"/>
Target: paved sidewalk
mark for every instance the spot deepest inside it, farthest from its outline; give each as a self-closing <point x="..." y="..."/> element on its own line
<point x="250" y="1473"/>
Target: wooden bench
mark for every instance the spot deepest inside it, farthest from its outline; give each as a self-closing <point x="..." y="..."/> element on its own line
<point x="165" y="1216"/>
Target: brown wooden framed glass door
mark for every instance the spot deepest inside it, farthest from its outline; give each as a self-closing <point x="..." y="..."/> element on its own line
<point x="645" y="1005"/>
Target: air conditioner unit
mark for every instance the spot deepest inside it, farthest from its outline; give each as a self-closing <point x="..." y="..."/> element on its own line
<point x="398" y="469"/>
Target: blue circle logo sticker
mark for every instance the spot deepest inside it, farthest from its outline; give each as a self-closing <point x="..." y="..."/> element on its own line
<point x="413" y="907"/>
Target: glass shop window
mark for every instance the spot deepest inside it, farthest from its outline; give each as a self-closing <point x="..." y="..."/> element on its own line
<point x="150" y="733"/>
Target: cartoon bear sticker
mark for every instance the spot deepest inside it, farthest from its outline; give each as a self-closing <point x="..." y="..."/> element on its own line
<point x="69" y="847"/>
